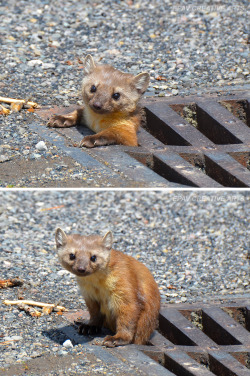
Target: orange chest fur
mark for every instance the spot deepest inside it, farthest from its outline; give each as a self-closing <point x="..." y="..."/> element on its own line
<point x="99" y="122"/>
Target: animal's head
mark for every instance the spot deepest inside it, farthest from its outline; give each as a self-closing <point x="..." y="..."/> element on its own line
<point x="106" y="89"/>
<point x="83" y="255"/>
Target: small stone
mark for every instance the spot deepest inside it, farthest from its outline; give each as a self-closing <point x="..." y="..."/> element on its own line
<point x="13" y="338"/>
<point x="62" y="352"/>
<point x="33" y="63"/>
<point x="49" y="66"/>
<point x="68" y="343"/>
<point x="36" y="354"/>
<point x="6" y="264"/>
<point x="35" y="156"/>
<point x="63" y="272"/>
<point x="175" y="92"/>
<point x="55" y="43"/>
<point x="4" y="158"/>
<point x="41" y="146"/>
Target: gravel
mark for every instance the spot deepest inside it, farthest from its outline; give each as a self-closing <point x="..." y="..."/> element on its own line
<point x="191" y="46"/>
<point x="186" y="48"/>
<point x="195" y="244"/>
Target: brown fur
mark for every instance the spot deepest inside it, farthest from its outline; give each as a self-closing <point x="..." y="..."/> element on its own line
<point x="115" y="121"/>
<point x="120" y="292"/>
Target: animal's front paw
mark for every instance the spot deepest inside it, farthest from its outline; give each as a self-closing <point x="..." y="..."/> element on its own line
<point x="113" y="341"/>
<point x="87" y="329"/>
<point x="61" y="121"/>
<point x="88" y="142"/>
<point x="95" y="140"/>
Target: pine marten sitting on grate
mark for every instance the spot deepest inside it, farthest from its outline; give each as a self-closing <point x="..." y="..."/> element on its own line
<point x="120" y="292"/>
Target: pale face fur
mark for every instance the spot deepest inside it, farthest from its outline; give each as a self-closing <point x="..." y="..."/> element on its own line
<point x="83" y="255"/>
<point x="107" y="90"/>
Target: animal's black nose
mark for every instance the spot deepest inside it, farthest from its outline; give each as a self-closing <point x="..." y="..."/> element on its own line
<point x="81" y="270"/>
<point x="97" y="106"/>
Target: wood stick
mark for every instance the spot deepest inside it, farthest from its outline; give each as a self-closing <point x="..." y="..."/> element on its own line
<point x="17" y="106"/>
<point x="47" y="310"/>
<point x="12" y="100"/>
<point x="4" y="343"/>
<point x="30" y="310"/>
<point x="37" y="304"/>
<point x="5" y="111"/>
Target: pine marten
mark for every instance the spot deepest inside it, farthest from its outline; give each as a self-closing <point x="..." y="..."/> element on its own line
<point x="111" y="106"/>
<point x="120" y="292"/>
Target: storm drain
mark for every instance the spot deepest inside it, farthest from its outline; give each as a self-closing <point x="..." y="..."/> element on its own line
<point x="185" y="142"/>
<point x="204" y="340"/>
<point x="193" y="340"/>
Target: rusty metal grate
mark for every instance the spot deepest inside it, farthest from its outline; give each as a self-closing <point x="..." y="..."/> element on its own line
<point x="186" y="142"/>
<point x="204" y="339"/>
<point x="193" y="340"/>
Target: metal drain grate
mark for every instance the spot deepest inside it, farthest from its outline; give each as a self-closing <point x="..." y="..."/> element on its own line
<point x="190" y="142"/>
<point x="192" y="340"/>
<point x="204" y="339"/>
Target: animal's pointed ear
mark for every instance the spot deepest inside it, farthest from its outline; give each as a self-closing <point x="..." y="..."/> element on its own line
<point x="88" y="65"/>
<point x="108" y="240"/>
<point x="61" y="238"/>
<point x="141" y="82"/>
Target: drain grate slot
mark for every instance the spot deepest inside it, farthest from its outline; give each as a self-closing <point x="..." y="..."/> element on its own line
<point x="239" y="108"/>
<point x="216" y="332"/>
<point x="225" y="170"/>
<point x="172" y="329"/>
<point x="171" y="173"/>
<point x="243" y="358"/>
<point x="177" y="169"/>
<point x="160" y="130"/>
<point x="225" y="365"/>
<point x="220" y="364"/>
<point x="219" y="326"/>
<point x="188" y="112"/>
<point x="183" y="365"/>
<point x="239" y="314"/>
<point x="242" y="157"/>
<point x="212" y="128"/>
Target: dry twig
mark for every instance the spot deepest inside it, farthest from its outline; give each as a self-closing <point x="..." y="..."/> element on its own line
<point x="30" y="310"/>
<point x="4" y="111"/>
<point x="25" y="103"/>
<point x="53" y="207"/>
<point x="16" y="106"/>
<point x="4" y="343"/>
<point x="36" y="304"/>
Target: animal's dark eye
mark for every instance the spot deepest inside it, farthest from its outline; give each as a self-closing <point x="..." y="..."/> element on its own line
<point x="116" y="96"/>
<point x="72" y="256"/>
<point x="93" y="258"/>
<point x="93" y="89"/>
